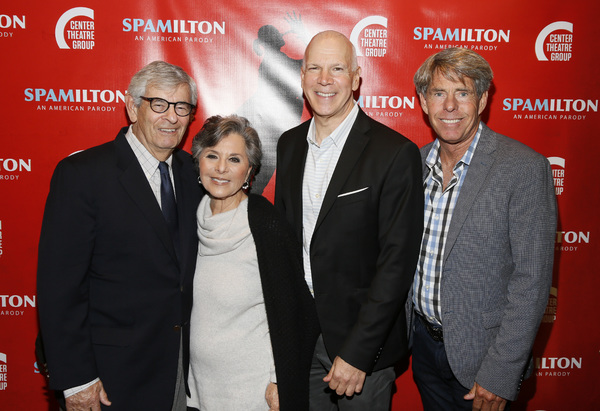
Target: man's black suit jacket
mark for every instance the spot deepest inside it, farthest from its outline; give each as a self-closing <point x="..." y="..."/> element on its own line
<point x="112" y="294"/>
<point x="366" y="240"/>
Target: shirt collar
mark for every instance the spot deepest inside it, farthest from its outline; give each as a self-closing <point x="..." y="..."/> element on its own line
<point x="141" y="152"/>
<point x="339" y="135"/>
<point x="434" y="155"/>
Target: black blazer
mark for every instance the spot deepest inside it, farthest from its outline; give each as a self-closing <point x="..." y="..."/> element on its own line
<point x="112" y="295"/>
<point x="366" y="240"/>
<point x="291" y="314"/>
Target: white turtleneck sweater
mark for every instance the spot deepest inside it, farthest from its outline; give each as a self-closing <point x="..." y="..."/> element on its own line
<point x="231" y="360"/>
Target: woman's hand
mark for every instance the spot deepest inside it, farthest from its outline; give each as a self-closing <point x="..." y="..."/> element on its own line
<point x="272" y="397"/>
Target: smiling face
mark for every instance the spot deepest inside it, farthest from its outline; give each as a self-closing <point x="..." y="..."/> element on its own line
<point x="223" y="170"/>
<point x="160" y="133"/>
<point x="454" y="110"/>
<point x="328" y="80"/>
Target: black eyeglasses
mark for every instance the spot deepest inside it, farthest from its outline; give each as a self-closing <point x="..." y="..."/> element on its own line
<point x="160" y="105"/>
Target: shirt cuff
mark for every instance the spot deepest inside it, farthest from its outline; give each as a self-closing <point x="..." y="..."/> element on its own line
<point x="75" y="390"/>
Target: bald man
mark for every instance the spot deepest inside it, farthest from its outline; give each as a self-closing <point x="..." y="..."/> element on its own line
<point x="352" y="189"/>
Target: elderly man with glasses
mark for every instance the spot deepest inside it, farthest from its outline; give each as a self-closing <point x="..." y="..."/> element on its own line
<point x="117" y="254"/>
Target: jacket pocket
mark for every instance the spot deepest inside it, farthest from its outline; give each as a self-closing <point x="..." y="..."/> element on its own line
<point x="491" y="319"/>
<point x="353" y="196"/>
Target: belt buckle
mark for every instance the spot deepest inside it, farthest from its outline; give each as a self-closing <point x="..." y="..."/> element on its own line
<point x="436" y="333"/>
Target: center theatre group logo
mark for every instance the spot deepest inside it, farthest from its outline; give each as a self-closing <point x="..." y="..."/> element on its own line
<point x="558" y="173"/>
<point x="556" y="41"/>
<point x="3" y="372"/>
<point x="370" y="41"/>
<point x="75" y="29"/>
<point x="550" y="313"/>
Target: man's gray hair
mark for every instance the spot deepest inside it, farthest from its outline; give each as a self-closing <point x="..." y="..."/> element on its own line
<point x="162" y="75"/>
<point x="455" y="64"/>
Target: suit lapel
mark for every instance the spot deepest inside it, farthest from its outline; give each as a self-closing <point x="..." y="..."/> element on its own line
<point x="135" y="183"/>
<point x="297" y="164"/>
<point x="355" y="145"/>
<point x="477" y="174"/>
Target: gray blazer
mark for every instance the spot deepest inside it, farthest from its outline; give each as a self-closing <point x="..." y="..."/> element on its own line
<point x="497" y="267"/>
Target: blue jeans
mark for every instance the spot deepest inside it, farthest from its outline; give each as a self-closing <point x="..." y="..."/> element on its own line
<point x="439" y="388"/>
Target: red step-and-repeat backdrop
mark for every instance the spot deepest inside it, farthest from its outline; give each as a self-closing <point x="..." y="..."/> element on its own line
<point x="66" y="65"/>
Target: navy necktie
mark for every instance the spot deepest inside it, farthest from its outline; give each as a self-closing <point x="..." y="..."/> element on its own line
<point x="168" y="204"/>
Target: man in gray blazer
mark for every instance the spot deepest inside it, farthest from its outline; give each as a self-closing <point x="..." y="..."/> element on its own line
<point x="485" y="266"/>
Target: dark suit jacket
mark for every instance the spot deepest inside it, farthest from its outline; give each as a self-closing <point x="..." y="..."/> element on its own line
<point x="366" y="240"/>
<point x="497" y="266"/>
<point x="291" y="314"/>
<point x="112" y="295"/>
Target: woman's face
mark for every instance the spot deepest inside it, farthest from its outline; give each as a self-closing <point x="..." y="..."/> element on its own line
<point x="223" y="170"/>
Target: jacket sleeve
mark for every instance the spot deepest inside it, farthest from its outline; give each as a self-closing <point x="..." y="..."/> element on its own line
<point x="65" y="250"/>
<point x="532" y="228"/>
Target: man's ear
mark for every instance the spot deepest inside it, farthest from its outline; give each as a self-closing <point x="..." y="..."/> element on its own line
<point x="131" y="108"/>
<point x="482" y="102"/>
<point x="423" y="102"/>
<point x="356" y="78"/>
